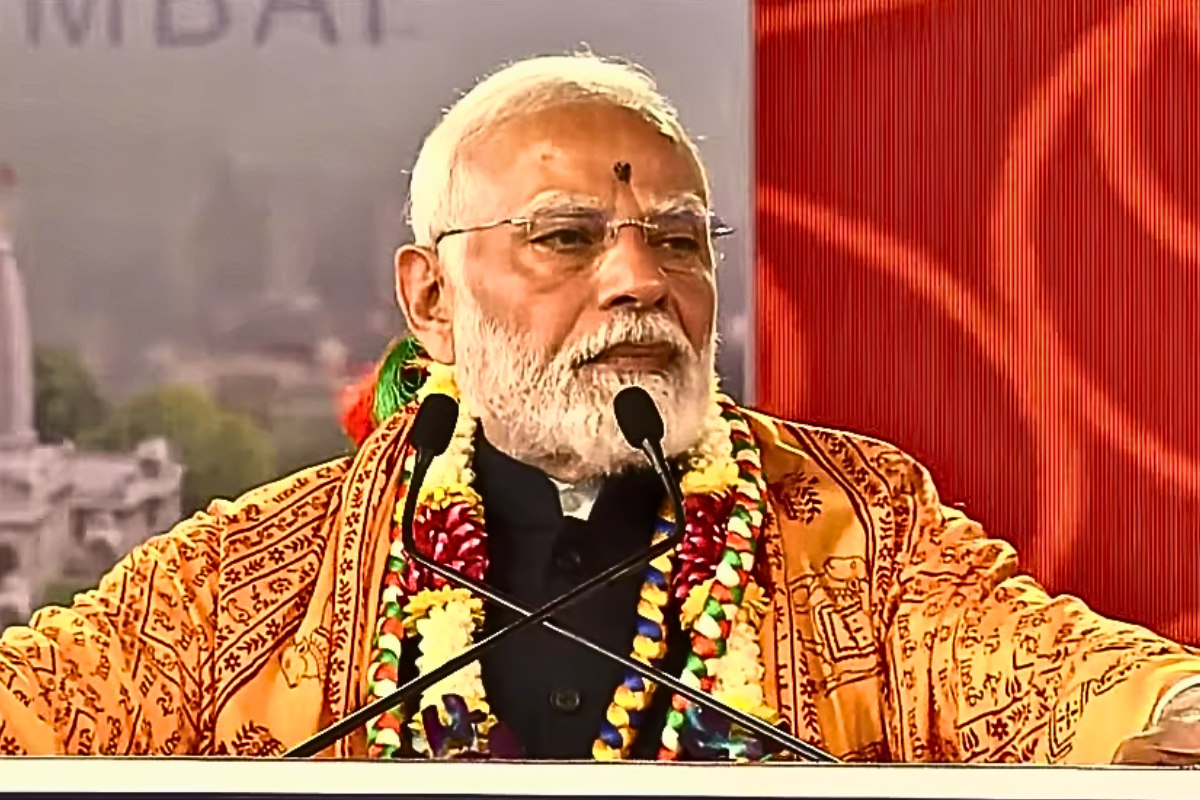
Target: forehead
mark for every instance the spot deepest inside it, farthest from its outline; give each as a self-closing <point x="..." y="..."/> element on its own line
<point x="571" y="150"/>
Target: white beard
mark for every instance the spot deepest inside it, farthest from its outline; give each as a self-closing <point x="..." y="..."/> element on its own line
<point x="555" y="412"/>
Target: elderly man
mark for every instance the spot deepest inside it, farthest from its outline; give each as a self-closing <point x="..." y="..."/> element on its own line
<point x="564" y="250"/>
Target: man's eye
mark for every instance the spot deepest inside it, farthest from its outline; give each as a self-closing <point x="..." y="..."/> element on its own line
<point x="566" y="238"/>
<point x="680" y="243"/>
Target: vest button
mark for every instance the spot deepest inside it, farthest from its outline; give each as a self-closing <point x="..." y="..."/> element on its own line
<point x="569" y="561"/>
<point x="566" y="700"/>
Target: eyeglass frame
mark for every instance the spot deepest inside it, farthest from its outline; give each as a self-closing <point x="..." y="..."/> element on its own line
<point x="718" y="229"/>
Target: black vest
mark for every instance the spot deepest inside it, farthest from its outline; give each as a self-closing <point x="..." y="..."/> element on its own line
<point x="550" y="692"/>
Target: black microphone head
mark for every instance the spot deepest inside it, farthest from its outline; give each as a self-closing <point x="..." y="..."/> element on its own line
<point x="434" y="426"/>
<point x="638" y="417"/>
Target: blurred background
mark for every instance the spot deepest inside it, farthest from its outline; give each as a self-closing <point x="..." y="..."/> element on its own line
<point x="200" y="201"/>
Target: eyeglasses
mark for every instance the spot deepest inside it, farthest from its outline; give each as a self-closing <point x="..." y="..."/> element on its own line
<point x="680" y="238"/>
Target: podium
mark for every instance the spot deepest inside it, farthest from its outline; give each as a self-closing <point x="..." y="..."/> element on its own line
<point x="228" y="779"/>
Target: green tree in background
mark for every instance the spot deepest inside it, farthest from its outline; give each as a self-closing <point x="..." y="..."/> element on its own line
<point x="253" y="396"/>
<point x="305" y="433"/>
<point x="300" y="420"/>
<point x="67" y="402"/>
<point x="224" y="453"/>
<point x="249" y="432"/>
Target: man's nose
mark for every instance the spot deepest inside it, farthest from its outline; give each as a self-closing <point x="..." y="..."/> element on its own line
<point x="630" y="275"/>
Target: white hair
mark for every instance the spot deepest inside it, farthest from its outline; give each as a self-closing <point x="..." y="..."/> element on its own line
<point x="436" y="198"/>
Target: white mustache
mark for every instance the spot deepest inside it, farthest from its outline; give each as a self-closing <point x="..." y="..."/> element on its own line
<point x="634" y="329"/>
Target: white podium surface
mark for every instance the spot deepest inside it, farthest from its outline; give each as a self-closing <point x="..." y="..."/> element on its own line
<point x="228" y="778"/>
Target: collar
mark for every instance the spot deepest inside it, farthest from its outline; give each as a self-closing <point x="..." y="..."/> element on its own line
<point x="578" y="499"/>
<point x="516" y="493"/>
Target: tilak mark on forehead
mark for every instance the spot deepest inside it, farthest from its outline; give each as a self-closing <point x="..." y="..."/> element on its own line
<point x="623" y="170"/>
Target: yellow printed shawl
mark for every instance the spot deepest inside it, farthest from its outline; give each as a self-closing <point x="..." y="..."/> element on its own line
<point x="897" y="630"/>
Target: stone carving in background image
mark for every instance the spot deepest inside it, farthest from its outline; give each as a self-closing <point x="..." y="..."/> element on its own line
<point x="66" y="515"/>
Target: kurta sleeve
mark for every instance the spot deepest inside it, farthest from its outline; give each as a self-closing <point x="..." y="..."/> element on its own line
<point x="124" y="670"/>
<point x="985" y="666"/>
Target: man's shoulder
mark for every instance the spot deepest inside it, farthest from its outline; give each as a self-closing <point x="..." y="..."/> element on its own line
<point x="311" y="488"/>
<point x="790" y="447"/>
<point x="289" y="512"/>
<point x="772" y="431"/>
<point x="228" y="534"/>
<point x="296" y="507"/>
<point x="834" y="492"/>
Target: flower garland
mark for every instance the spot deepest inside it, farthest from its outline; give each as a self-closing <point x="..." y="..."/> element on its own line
<point x="707" y="581"/>
<point x="624" y="714"/>
<point x="724" y="613"/>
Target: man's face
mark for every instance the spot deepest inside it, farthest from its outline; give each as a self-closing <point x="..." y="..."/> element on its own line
<point x="564" y="158"/>
<point x="553" y="317"/>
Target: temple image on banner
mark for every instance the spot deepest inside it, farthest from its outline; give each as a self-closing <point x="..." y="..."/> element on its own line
<point x="66" y="515"/>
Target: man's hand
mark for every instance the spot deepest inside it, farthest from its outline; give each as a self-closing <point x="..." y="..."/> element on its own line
<point x="1174" y="741"/>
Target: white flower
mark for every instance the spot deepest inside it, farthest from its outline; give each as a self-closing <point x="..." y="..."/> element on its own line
<point x="387" y="737"/>
<point x="670" y="739"/>
<point x="738" y="675"/>
<point x="727" y="575"/>
<point x="708" y="627"/>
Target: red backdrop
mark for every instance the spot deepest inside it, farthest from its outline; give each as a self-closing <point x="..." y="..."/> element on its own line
<point x="978" y="240"/>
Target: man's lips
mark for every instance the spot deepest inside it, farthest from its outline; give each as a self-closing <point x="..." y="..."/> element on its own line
<point x="639" y="357"/>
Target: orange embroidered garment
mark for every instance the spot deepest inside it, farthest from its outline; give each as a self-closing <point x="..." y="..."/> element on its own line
<point x="897" y="630"/>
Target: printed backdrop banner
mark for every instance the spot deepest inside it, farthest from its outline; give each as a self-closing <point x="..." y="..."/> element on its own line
<point x="204" y="198"/>
<point x="181" y="162"/>
<point x="978" y="240"/>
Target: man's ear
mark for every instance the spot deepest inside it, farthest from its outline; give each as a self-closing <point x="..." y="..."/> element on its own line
<point x="422" y="294"/>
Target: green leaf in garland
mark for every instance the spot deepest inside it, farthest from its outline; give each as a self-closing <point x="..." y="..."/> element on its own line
<point x="401" y="375"/>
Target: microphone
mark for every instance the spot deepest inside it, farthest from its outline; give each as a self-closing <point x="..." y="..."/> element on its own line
<point x="638" y="418"/>
<point x="642" y="427"/>
<point x="433" y="427"/>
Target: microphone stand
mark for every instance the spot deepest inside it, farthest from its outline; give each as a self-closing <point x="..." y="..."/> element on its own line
<point x="415" y="687"/>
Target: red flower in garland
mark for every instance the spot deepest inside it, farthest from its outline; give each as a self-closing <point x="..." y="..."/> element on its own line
<point x="706" y="518"/>
<point x="454" y="537"/>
